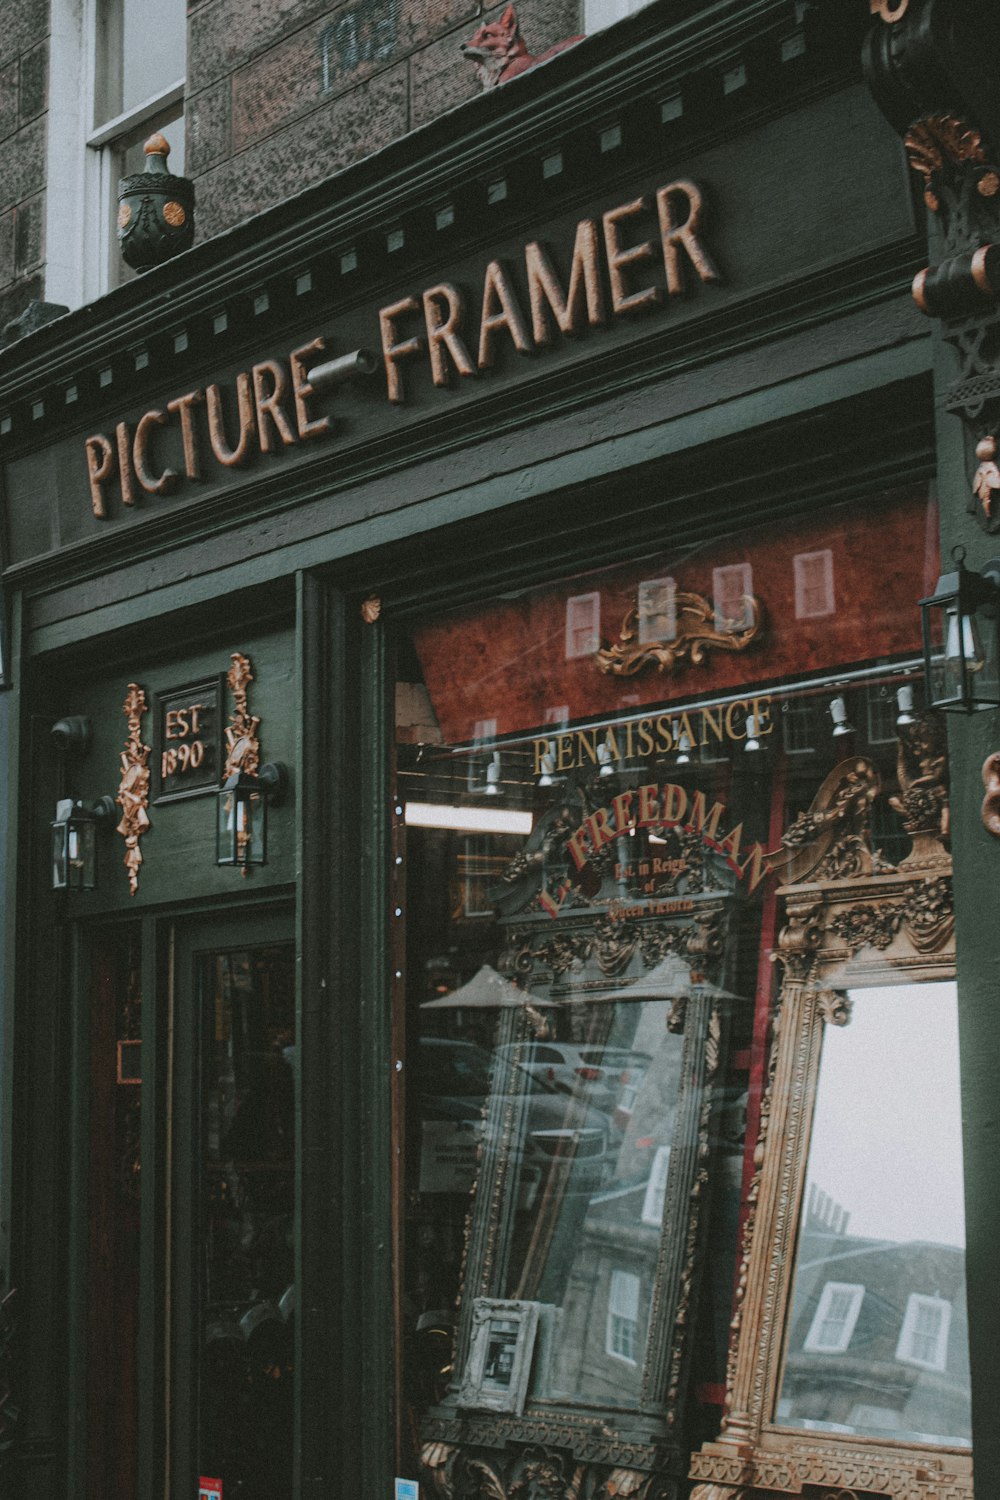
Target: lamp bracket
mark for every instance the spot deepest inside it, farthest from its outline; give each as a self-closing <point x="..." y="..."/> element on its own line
<point x="274" y="776"/>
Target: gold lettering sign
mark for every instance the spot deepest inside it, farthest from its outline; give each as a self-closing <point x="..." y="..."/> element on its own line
<point x="271" y="413"/>
<point x="640" y="272"/>
<point x="711" y="724"/>
<point x="187" y="759"/>
<point x="646" y="251"/>
<point x="661" y="807"/>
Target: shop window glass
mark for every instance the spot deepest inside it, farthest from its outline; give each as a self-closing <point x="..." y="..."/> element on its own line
<point x="915" y="1233"/>
<point x="585" y="925"/>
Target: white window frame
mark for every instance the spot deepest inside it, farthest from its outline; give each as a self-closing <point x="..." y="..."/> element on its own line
<point x="593" y="601"/>
<point x="801" y="564"/>
<point x="81" y="167"/>
<point x="722" y="579"/>
<point x="814" y="1343"/>
<point x="624" y="1289"/>
<point x="656" y="1187"/>
<point x="916" y="1303"/>
<point x="652" y="589"/>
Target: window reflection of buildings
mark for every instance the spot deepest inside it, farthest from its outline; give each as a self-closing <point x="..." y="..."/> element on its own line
<point x="885" y="1351"/>
<point x="603" y="1327"/>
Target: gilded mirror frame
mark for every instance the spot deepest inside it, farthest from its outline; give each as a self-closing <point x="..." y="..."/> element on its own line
<point x="851" y="922"/>
<point x="592" y="955"/>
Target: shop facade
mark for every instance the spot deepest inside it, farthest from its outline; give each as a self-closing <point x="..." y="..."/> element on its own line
<point x="482" y="989"/>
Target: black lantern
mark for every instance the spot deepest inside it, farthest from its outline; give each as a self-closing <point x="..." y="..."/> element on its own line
<point x="74" y="843"/>
<point x="962" y="638"/>
<point x="241" y="828"/>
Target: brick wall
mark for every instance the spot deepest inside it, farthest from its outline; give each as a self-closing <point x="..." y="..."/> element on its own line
<point x="282" y="93"/>
<point x="23" y="101"/>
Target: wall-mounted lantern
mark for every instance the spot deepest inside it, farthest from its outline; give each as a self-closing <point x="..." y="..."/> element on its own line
<point x="961" y="621"/>
<point x="74" y="842"/>
<point x="241" y="828"/>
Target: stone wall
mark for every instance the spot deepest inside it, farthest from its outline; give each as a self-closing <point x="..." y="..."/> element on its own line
<point x="24" y="51"/>
<point x="281" y="95"/>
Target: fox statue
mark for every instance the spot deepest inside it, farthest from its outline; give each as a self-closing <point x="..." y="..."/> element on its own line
<point x="498" y="53"/>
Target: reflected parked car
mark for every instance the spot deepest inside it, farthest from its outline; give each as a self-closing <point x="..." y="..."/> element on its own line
<point x="457" y="1079"/>
<point x="608" y="1076"/>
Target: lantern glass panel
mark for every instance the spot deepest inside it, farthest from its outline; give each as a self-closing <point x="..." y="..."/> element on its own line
<point x="960" y="646"/>
<point x="74" y="853"/>
<point x="82" y="854"/>
<point x="242" y="824"/>
<point x="60" y="856"/>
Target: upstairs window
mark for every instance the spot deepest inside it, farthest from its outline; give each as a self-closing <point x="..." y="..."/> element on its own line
<point x="731" y="588"/>
<point x="835" y="1317"/>
<point x="813" y="584"/>
<point x="622" y="1340"/>
<point x="139" y="67"/>
<point x="117" y="70"/>
<point x="583" y="625"/>
<point x="924" y="1337"/>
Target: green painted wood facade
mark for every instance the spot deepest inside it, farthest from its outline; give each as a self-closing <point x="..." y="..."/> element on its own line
<point x="805" y="379"/>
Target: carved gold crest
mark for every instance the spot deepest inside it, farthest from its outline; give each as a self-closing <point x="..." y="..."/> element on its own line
<point x="698" y="631"/>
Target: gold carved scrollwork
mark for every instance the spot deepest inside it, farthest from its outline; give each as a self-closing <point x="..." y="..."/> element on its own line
<point x="242" y="744"/>
<point x="991" y="801"/>
<point x="697" y="633"/>
<point x="922" y="801"/>
<point x="800" y="938"/>
<point x="133" y="790"/>
<point x="938" y="139"/>
<point x="834" y="1006"/>
<point x="832" y="840"/>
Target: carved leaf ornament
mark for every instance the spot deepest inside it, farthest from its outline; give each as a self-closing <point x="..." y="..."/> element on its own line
<point x="698" y="632"/>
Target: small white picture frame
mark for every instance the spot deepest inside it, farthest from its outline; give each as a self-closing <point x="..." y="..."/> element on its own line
<point x="501" y="1346"/>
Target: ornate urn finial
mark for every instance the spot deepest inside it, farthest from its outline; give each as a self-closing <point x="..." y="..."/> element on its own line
<point x="155" y="210"/>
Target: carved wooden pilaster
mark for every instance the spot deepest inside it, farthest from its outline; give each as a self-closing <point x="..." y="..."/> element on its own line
<point x="932" y="67"/>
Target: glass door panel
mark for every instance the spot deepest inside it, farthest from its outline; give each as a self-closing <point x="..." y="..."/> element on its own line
<point x="248" y="1218"/>
<point x="234" y="1143"/>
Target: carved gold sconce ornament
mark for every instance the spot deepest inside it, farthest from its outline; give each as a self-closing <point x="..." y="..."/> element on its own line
<point x="698" y="631"/>
<point x="242" y="744"/>
<point x="247" y="786"/>
<point x="133" y="791"/>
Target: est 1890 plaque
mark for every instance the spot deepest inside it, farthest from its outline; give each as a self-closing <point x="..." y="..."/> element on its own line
<point x="187" y="752"/>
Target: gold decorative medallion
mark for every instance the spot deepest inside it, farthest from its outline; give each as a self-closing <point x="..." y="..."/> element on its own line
<point x="371" y="609"/>
<point x="698" y="631"/>
<point x="174" y="214"/>
<point x="133" y="791"/>
<point x="124" y="216"/>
